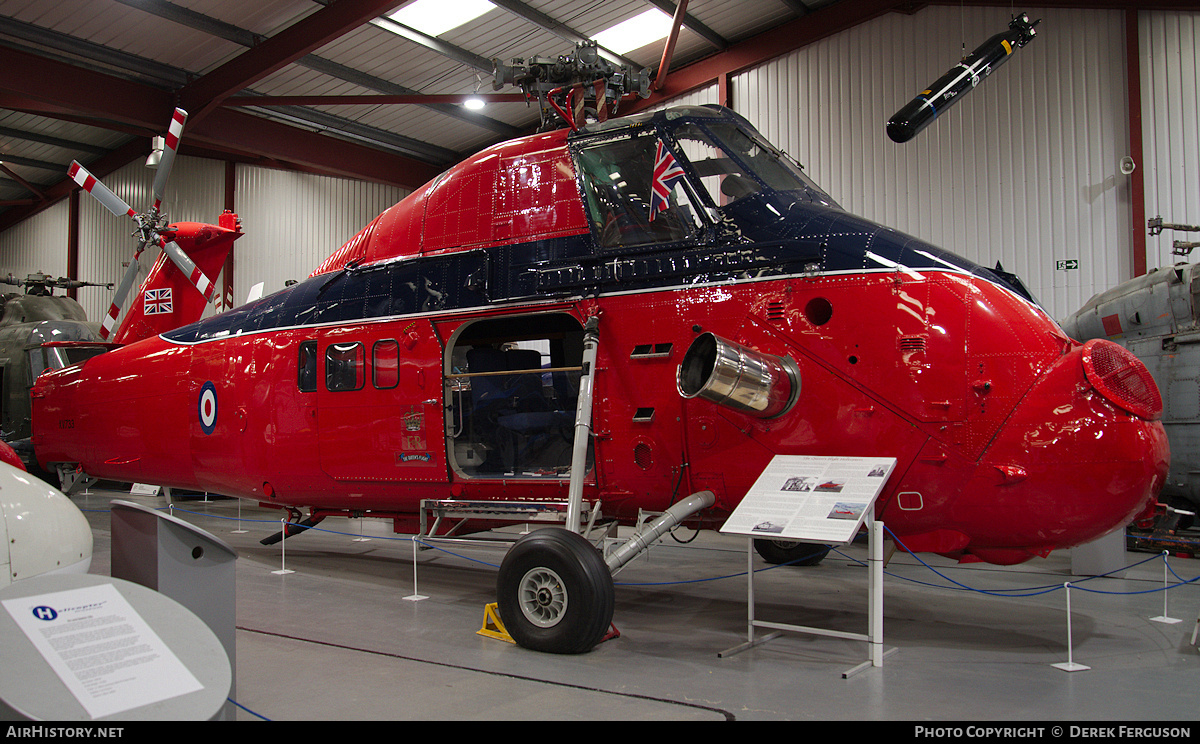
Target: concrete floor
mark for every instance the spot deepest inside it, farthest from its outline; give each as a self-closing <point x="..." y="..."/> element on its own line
<point x="342" y="638"/>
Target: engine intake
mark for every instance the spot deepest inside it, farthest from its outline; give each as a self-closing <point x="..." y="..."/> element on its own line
<point x="724" y="372"/>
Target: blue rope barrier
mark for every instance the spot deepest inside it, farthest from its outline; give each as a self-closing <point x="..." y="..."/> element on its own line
<point x="956" y="585"/>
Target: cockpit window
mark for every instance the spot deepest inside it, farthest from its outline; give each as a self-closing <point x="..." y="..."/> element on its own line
<point x="733" y="164"/>
<point x="726" y="180"/>
<point x="636" y="192"/>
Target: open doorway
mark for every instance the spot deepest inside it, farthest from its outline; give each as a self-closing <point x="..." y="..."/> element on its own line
<point x="513" y="387"/>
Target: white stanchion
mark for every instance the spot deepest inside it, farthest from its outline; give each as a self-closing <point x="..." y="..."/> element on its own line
<point x="239" y="530"/>
<point x="415" y="596"/>
<point x="1164" y="617"/>
<point x="1069" y="665"/>
<point x="283" y="569"/>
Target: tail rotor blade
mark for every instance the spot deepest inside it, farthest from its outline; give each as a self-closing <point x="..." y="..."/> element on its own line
<point x="168" y="157"/>
<point x="106" y="325"/>
<point x="185" y="264"/>
<point x="111" y="201"/>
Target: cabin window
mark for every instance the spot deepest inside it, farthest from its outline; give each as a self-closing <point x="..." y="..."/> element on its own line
<point x="306" y="377"/>
<point x="344" y="367"/>
<point x="513" y="390"/>
<point x="636" y="192"/>
<point x="385" y="364"/>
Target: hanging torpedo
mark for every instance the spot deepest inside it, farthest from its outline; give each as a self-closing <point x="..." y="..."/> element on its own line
<point x="922" y="110"/>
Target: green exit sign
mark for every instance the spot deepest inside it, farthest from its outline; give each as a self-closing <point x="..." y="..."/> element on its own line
<point x="1069" y="264"/>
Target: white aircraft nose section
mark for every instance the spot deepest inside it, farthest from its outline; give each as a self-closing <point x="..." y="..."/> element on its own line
<point x="40" y="529"/>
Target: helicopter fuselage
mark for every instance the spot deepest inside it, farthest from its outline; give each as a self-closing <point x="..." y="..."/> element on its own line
<point x="438" y="355"/>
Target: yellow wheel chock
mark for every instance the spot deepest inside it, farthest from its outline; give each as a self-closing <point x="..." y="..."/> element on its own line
<point x="493" y="626"/>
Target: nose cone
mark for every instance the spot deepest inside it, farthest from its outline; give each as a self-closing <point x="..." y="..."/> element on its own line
<point x="42" y="531"/>
<point x="1082" y="454"/>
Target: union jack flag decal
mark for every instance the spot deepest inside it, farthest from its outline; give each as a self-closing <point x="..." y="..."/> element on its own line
<point x="667" y="173"/>
<point x="158" y="302"/>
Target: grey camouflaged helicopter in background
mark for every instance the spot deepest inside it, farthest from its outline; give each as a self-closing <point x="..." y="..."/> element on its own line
<point x="39" y="330"/>
<point x="1157" y="317"/>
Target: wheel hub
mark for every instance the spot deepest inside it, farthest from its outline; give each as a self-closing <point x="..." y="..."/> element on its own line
<point x="542" y="597"/>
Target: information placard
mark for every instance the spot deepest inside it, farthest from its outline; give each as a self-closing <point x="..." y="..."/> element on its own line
<point x="105" y="653"/>
<point x="811" y="499"/>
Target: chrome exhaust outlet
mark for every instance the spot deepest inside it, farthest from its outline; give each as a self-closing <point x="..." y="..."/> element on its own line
<point x="721" y="371"/>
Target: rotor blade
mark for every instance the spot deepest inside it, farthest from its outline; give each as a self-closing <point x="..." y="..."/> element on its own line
<point x="168" y="155"/>
<point x="111" y="201"/>
<point x="189" y="268"/>
<point x="118" y="302"/>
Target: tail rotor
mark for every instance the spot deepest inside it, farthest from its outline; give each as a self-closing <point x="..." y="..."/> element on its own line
<point x="151" y="225"/>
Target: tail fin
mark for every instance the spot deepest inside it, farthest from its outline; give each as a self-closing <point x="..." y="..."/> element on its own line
<point x="168" y="299"/>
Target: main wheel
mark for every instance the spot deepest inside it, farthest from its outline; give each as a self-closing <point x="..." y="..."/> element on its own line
<point x="555" y="592"/>
<point x="791" y="552"/>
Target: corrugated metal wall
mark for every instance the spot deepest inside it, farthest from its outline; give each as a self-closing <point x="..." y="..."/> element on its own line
<point x="34" y="245"/>
<point x="1023" y="170"/>
<point x="1171" y="128"/>
<point x="293" y="221"/>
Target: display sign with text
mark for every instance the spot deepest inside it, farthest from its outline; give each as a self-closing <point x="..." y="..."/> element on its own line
<point x="101" y="648"/>
<point x="811" y="499"/>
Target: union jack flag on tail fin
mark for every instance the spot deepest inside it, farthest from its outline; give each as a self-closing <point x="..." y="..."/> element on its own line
<point x="667" y="172"/>
<point x="158" y="301"/>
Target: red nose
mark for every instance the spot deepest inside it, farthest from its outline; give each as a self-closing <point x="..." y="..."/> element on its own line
<point x="1088" y="452"/>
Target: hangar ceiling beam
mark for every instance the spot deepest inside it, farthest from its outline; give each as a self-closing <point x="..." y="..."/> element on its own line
<point x="693" y="24"/>
<point x="49" y="87"/>
<point x="229" y="32"/>
<point x="204" y="95"/>
<point x="558" y="28"/>
<point x="768" y="45"/>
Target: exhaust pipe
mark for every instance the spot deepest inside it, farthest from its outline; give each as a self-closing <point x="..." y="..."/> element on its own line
<point x="675" y="514"/>
<point x="721" y="371"/>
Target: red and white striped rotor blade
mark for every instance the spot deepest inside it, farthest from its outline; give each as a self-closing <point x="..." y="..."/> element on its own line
<point x="90" y="184"/>
<point x="106" y="325"/>
<point x="184" y="263"/>
<point x="168" y="157"/>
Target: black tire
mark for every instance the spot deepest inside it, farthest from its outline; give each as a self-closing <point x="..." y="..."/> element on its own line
<point x="791" y="552"/>
<point x="555" y="592"/>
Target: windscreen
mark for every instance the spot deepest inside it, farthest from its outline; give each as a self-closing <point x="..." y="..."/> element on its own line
<point x="733" y="163"/>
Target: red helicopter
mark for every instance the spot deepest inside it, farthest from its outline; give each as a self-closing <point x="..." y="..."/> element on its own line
<point x="625" y="315"/>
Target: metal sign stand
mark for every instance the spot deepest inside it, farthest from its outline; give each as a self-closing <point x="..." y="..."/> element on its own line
<point x="821" y="500"/>
<point x="874" y="636"/>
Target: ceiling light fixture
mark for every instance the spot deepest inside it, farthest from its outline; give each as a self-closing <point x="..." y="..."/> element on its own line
<point x="636" y="32"/>
<point x="436" y="17"/>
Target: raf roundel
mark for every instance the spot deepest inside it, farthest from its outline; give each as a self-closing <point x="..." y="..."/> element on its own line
<point x="208" y="407"/>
